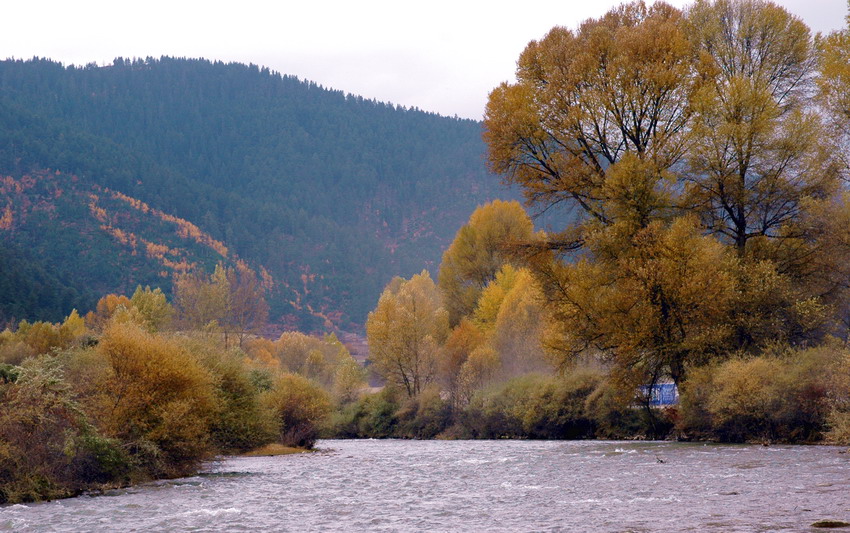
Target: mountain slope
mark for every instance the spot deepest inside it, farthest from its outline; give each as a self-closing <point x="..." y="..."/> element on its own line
<point x="330" y="195"/>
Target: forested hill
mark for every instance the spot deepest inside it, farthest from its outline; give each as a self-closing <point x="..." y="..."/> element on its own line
<point x="126" y="174"/>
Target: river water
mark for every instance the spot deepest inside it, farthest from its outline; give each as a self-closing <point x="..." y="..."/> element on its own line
<point x="392" y="485"/>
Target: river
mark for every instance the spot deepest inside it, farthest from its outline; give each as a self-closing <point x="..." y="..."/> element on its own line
<point x="392" y="485"/>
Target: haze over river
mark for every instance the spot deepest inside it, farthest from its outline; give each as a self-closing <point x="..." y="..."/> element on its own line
<point x="392" y="485"/>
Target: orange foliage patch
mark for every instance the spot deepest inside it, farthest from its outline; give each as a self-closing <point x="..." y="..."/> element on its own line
<point x="178" y="266"/>
<point x="96" y="211"/>
<point x="157" y="251"/>
<point x="7" y="219"/>
<point x="137" y="204"/>
<point x="266" y="279"/>
<point x="185" y="229"/>
<point x="9" y="185"/>
<point x="124" y="237"/>
<point x="242" y="266"/>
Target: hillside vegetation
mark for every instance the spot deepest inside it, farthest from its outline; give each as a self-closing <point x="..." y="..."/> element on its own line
<point x="127" y="174"/>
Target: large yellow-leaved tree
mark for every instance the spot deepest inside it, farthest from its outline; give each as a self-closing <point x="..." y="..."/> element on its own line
<point x="405" y="332"/>
<point x="704" y="184"/>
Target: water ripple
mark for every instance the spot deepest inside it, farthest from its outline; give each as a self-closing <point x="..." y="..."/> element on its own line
<point x="477" y="486"/>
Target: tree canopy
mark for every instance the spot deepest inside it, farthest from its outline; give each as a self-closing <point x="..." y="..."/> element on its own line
<point x="702" y="173"/>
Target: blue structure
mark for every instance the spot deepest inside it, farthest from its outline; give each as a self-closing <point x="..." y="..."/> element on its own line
<point x="662" y="394"/>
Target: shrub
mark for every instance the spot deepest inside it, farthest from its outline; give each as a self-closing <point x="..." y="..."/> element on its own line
<point x="535" y="406"/>
<point x="777" y="396"/>
<point x="838" y="419"/>
<point x="557" y="410"/>
<point x="424" y="416"/>
<point x="48" y="449"/>
<point x="371" y="416"/>
<point x="299" y="407"/>
<point x="239" y="423"/>
<point x="156" y="397"/>
<point x="615" y="415"/>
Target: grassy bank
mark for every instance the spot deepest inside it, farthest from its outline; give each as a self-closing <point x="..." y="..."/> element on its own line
<point x="274" y="449"/>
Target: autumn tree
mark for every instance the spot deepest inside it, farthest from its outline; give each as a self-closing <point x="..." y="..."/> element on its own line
<point x="493" y="295"/>
<point x="230" y="300"/>
<point x="656" y="305"/>
<point x="585" y="100"/>
<point x="106" y="307"/>
<point x="757" y="152"/>
<point x="460" y="344"/>
<point x="511" y="313"/>
<point x="41" y="337"/>
<point x="201" y="300"/>
<point x="834" y="85"/>
<point x="405" y="331"/>
<point x="247" y="307"/>
<point x="676" y="137"/>
<point x="478" y="251"/>
<point x="154" y="395"/>
<point x="762" y="172"/>
<point x="153" y="306"/>
<point x="325" y="360"/>
<point x="518" y="328"/>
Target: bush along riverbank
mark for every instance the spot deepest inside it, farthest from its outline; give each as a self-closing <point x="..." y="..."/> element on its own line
<point x="127" y="405"/>
<point x="781" y="396"/>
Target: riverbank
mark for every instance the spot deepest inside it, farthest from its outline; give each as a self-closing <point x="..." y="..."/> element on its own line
<point x="275" y="449"/>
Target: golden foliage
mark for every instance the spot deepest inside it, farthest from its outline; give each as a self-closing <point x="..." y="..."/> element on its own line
<point x="324" y="360"/>
<point x="478" y="251"/>
<point x="758" y="146"/>
<point x="106" y="307"/>
<point x="491" y="298"/>
<point x="40" y="338"/>
<point x="230" y="300"/>
<point x="7" y="219"/>
<point x="656" y="305"/>
<point x="584" y="99"/>
<point x="479" y="369"/>
<point x="153" y="306"/>
<point x="461" y="342"/>
<point x="660" y="127"/>
<point x="834" y="83"/>
<point x="405" y="331"/>
<point x="157" y="393"/>
<point x="299" y="406"/>
<point x="518" y="328"/>
<point x="780" y="395"/>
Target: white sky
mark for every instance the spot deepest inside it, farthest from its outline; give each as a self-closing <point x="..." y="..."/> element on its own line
<point x="440" y="55"/>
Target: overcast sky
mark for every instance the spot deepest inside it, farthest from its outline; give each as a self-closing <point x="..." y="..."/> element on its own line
<point x="438" y="55"/>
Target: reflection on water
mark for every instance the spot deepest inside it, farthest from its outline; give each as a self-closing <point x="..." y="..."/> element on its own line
<point x="478" y="486"/>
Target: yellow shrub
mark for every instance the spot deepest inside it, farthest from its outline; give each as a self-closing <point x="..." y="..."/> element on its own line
<point x="155" y="393"/>
<point x="298" y="405"/>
